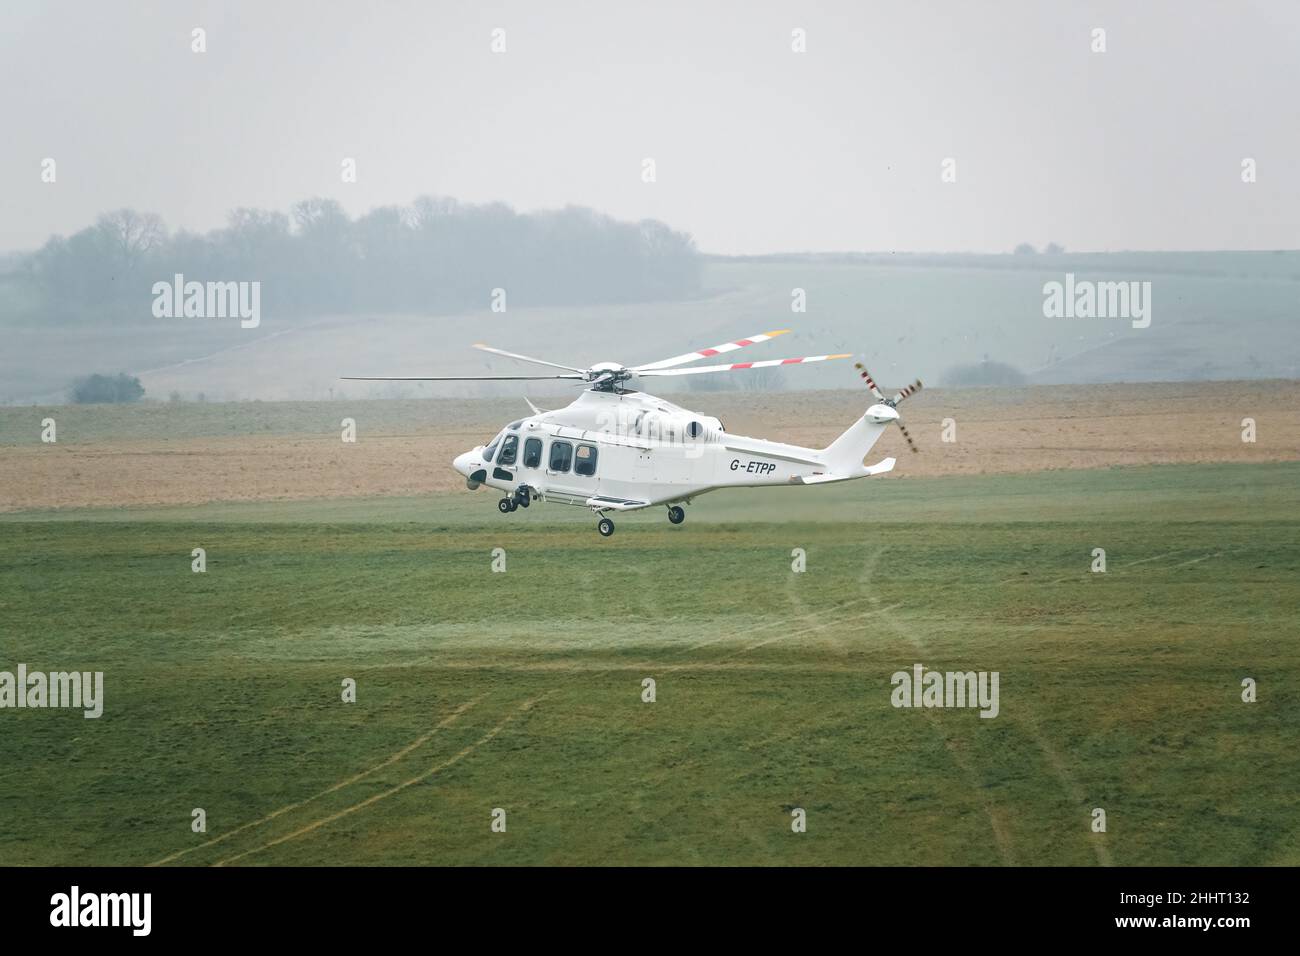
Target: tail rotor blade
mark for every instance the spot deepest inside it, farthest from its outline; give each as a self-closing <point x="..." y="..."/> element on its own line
<point x="903" y="428"/>
<point x="871" y="384"/>
<point x="907" y="390"/>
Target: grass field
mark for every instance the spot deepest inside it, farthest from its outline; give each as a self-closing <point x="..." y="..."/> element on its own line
<point x="522" y="690"/>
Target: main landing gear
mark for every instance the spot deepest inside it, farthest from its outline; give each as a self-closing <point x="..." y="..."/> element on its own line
<point x="605" y="527"/>
<point x="676" y="514"/>
<point x="507" y="505"/>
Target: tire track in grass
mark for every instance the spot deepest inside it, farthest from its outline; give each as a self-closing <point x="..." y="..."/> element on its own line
<point x="371" y="800"/>
<point x="347" y="782"/>
<point x="768" y="625"/>
<point x="726" y="662"/>
<point x="1071" y="786"/>
<point x="1001" y="834"/>
<point x="1132" y="564"/>
<point x="1026" y="721"/>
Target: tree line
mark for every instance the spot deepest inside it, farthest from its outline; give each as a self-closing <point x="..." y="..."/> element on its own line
<point x="434" y="255"/>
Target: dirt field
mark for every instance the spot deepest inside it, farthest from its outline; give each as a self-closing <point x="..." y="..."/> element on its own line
<point x="155" y="455"/>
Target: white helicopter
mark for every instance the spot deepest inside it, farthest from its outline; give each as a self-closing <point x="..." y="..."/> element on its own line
<point x="615" y="449"/>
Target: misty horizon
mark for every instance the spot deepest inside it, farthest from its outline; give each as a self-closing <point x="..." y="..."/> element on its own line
<point x="1040" y="246"/>
<point x="776" y="253"/>
<point x="788" y="130"/>
<point x="243" y="200"/>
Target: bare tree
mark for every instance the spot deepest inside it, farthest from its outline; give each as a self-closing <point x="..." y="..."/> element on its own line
<point x="129" y="236"/>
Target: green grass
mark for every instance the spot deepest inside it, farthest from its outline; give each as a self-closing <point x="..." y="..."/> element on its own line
<point x="1118" y="690"/>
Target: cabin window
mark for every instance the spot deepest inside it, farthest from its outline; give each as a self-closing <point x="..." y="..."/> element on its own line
<point x="509" y="448"/>
<point x="532" y="453"/>
<point x="585" y="463"/>
<point x="561" y="456"/>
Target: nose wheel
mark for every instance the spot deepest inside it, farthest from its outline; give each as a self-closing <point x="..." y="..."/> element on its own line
<point x="506" y="505"/>
<point x="605" y="527"/>
<point x="676" y="514"/>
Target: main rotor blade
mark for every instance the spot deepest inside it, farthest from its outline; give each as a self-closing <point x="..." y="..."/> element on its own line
<point x="452" y="378"/>
<point x="742" y="365"/>
<point x="709" y="353"/>
<point x="524" y="358"/>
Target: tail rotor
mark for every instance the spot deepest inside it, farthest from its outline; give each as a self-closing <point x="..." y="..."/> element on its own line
<point x="906" y="392"/>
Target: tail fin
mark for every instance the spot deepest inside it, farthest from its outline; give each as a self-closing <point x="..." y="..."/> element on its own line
<point x="845" y="454"/>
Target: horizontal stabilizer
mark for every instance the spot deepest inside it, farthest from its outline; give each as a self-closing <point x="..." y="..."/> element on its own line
<point x="880" y="469"/>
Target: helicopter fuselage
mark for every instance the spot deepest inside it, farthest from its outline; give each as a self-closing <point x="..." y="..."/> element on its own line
<point x="626" y="450"/>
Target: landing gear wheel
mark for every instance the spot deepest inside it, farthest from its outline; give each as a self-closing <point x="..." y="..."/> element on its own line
<point x="605" y="527"/>
<point x="506" y="505"/>
<point x="676" y="514"/>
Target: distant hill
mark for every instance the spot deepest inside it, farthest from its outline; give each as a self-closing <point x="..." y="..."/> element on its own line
<point x="1230" y="315"/>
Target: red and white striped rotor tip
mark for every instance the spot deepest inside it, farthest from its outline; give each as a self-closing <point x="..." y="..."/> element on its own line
<point x="871" y="384"/>
<point x="709" y="353"/>
<point x="908" y="390"/>
<point x="766" y="363"/>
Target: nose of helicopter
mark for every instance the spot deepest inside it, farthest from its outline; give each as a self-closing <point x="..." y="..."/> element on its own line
<point x="466" y="463"/>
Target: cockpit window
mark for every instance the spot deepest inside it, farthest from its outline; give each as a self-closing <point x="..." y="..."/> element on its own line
<point x="491" y="449"/>
<point x="508" y="449"/>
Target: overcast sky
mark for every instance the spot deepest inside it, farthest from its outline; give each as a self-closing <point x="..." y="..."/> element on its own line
<point x="756" y="148"/>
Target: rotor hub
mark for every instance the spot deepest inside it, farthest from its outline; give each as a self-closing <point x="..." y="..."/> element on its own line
<point x="608" y="376"/>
